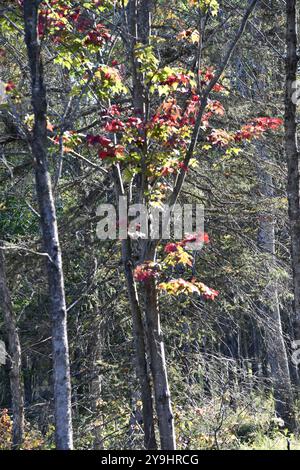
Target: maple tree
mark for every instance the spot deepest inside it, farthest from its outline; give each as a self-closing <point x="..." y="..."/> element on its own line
<point x="154" y="124"/>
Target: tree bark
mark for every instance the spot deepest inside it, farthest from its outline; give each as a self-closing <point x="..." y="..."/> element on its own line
<point x="139" y="24"/>
<point x="95" y="351"/>
<point x="60" y="351"/>
<point x="158" y="364"/>
<point x="138" y="330"/>
<point x="14" y="357"/>
<point x="140" y="349"/>
<point x="144" y="20"/>
<point x="159" y="368"/>
<point x="292" y="154"/>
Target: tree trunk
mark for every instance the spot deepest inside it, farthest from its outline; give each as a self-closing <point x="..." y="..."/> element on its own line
<point x="139" y="25"/>
<point x="61" y="368"/>
<point x="275" y="345"/>
<point x="138" y="330"/>
<point x="159" y="368"/>
<point x="14" y="357"/>
<point x="292" y="154"/>
<point x="96" y="384"/>
<point x="140" y="349"/>
<point x="144" y="20"/>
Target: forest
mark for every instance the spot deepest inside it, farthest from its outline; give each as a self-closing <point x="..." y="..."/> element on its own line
<point x="149" y="225"/>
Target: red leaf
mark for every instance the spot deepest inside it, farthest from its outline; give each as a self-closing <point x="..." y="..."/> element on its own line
<point x="114" y="126"/>
<point x="10" y="86"/>
<point x="171" y="248"/>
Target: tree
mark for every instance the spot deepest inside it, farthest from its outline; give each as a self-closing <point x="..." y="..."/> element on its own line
<point x="14" y="357"/>
<point x="148" y="250"/>
<point x="292" y="153"/>
<point x="151" y="101"/>
<point x="38" y="143"/>
<point x="269" y="305"/>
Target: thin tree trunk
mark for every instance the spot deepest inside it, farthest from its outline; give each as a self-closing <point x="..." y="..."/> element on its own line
<point x="14" y="355"/>
<point x="138" y="330"/>
<point x="144" y="20"/>
<point x="292" y="154"/>
<point x="140" y="349"/>
<point x="275" y="345"/>
<point x="139" y="24"/>
<point x="60" y="353"/>
<point x="159" y="368"/>
<point x="96" y="384"/>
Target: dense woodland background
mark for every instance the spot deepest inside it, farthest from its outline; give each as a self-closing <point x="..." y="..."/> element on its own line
<point x="227" y="380"/>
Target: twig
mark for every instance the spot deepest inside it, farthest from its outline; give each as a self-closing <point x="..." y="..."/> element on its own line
<point x="27" y="250"/>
